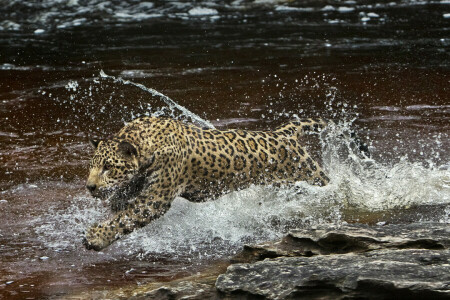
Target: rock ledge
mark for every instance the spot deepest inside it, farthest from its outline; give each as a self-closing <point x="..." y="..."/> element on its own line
<point x="325" y="262"/>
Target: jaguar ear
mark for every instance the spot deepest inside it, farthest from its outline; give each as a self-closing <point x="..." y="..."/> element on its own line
<point x="94" y="143"/>
<point x="127" y="150"/>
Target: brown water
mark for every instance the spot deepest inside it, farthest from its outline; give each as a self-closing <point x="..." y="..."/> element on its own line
<point x="246" y="65"/>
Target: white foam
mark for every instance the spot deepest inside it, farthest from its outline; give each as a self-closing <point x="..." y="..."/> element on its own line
<point x="60" y="13"/>
<point x="368" y="185"/>
<point x="72" y="3"/>
<point x="290" y="8"/>
<point x="73" y="23"/>
<point x="268" y="2"/>
<point x="8" y="66"/>
<point x="202" y="11"/>
<point x="426" y="106"/>
<point x="255" y="214"/>
<point x="135" y="16"/>
<point x="10" y="25"/>
<point x="328" y="8"/>
<point x="388" y="108"/>
<point x="146" y="5"/>
<point x="334" y="21"/>
<point x="345" y="9"/>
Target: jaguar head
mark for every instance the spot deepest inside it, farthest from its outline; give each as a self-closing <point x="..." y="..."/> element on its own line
<point x="114" y="163"/>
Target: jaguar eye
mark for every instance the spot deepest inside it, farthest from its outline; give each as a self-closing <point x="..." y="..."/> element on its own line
<point x="106" y="168"/>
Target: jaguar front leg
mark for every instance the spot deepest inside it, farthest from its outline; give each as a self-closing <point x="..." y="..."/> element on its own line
<point x="153" y="188"/>
<point x="148" y="206"/>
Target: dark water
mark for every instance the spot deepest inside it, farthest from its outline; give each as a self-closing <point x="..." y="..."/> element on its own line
<point x="382" y="66"/>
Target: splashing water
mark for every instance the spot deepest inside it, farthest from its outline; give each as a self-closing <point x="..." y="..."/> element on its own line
<point x="368" y="185"/>
<point x="172" y="104"/>
<point x="60" y="229"/>
<point x="358" y="185"/>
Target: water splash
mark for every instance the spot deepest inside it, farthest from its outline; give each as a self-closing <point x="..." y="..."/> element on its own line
<point x="219" y="228"/>
<point x="172" y="104"/>
<point x="359" y="187"/>
<point x="368" y="185"/>
<point x="63" y="229"/>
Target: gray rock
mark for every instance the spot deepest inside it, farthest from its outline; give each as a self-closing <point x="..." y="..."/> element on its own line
<point x="324" y="262"/>
<point x="383" y="274"/>
<point x="346" y="262"/>
<point x="181" y="290"/>
<point x="355" y="238"/>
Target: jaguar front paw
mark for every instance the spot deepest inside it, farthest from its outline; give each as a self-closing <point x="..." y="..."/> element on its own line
<point x="98" y="238"/>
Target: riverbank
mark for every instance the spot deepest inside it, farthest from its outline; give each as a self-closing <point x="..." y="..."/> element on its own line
<point x="323" y="262"/>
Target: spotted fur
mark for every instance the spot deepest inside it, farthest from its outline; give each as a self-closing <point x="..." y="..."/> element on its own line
<point x="152" y="160"/>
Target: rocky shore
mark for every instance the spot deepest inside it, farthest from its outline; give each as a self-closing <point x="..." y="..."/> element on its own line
<point x="325" y="262"/>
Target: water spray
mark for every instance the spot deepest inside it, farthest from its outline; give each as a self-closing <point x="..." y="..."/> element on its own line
<point x="172" y="104"/>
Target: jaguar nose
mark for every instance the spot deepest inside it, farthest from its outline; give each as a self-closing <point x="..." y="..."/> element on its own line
<point x="91" y="187"/>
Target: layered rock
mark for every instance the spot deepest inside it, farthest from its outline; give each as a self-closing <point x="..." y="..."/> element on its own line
<point x="383" y="274"/>
<point x="352" y="262"/>
<point x="355" y="238"/>
<point x="324" y="262"/>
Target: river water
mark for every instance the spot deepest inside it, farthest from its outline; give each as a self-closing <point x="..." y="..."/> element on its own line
<point x="380" y="67"/>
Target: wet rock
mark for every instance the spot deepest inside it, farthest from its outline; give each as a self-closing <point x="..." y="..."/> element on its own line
<point x="352" y="261"/>
<point x="196" y="287"/>
<point x="181" y="290"/>
<point x="383" y="274"/>
<point x="356" y="238"/>
<point x="324" y="262"/>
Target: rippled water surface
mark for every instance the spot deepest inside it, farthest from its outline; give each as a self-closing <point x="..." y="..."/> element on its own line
<point x="381" y="67"/>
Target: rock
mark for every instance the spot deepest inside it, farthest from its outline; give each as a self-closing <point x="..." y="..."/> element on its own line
<point x="405" y="274"/>
<point x="356" y="238"/>
<point x="181" y="290"/>
<point x="195" y="287"/>
<point x="324" y="262"/>
<point x="351" y="261"/>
